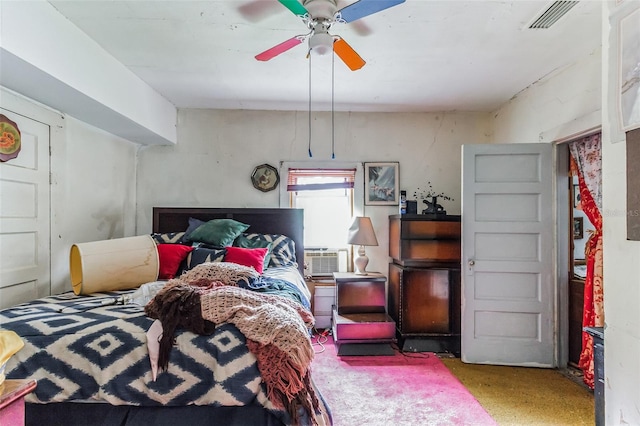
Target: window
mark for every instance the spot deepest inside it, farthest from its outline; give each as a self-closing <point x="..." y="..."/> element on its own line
<point x="326" y="195"/>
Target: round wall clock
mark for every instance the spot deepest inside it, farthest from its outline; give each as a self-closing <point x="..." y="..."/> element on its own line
<point x="265" y="178"/>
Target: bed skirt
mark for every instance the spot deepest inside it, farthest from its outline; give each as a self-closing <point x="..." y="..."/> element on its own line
<point x="97" y="414"/>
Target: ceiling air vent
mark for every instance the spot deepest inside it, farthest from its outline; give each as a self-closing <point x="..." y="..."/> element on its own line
<point x="552" y="14"/>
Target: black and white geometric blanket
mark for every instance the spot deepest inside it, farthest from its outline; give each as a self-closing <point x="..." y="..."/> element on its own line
<point x="87" y="348"/>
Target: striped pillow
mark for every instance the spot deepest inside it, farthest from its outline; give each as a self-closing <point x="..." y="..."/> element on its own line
<point x="169" y="238"/>
<point x="283" y="248"/>
<point x="201" y="255"/>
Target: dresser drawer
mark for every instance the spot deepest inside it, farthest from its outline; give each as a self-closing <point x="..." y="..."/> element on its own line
<point x="430" y="250"/>
<point x="416" y="230"/>
<point x="417" y="240"/>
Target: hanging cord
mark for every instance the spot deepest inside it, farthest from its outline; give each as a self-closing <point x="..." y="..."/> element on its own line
<point x="320" y="340"/>
<point x="310" y="155"/>
<point x="333" y="127"/>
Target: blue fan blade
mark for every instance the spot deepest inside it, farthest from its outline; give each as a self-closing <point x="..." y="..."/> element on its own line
<point x="363" y="8"/>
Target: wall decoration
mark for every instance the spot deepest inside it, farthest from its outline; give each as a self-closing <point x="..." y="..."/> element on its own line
<point x="10" y="141"/>
<point x="578" y="228"/>
<point x="629" y="67"/>
<point x="265" y="178"/>
<point x="576" y="197"/>
<point x="382" y="184"/>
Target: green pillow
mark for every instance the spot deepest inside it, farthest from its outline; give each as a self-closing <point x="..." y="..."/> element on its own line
<point x="218" y="232"/>
<point x="244" y="242"/>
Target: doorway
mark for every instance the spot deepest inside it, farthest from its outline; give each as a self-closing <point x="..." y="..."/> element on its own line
<point x="574" y="230"/>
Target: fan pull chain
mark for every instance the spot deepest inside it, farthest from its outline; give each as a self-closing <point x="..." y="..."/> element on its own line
<point x="333" y="127"/>
<point x="310" y="154"/>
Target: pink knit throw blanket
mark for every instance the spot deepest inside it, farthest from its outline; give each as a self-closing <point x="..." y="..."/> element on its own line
<point x="276" y="329"/>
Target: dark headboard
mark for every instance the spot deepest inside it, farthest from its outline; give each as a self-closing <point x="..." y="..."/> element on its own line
<point x="289" y="222"/>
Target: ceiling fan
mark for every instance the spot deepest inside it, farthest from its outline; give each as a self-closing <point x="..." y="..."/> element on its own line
<point x="319" y="16"/>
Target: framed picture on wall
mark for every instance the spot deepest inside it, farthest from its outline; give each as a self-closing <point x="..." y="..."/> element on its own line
<point x="382" y="184"/>
<point x="576" y="197"/>
<point x="629" y="66"/>
<point x="578" y="228"/>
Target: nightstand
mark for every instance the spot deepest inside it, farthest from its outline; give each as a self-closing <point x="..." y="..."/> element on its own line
<point x="12" y="393"/>
<point x="361" y="325"/>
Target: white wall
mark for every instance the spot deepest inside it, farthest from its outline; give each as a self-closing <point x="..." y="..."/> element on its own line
<point x="621" y="294"/>
<point x="621" y="265"/>
<point x="218" y="149"/>
<point x="567" y="95"/>
<point x="92" y="193"/>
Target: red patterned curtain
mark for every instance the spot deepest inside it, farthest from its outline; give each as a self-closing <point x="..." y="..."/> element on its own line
<point x="586" y="164"/>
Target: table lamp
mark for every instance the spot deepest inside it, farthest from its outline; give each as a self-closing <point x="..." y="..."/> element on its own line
<point x="361" y="233"/>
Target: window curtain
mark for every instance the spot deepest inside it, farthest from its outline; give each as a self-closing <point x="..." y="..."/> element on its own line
<point x="586" y="164"/>
<point x="298" y="179"/>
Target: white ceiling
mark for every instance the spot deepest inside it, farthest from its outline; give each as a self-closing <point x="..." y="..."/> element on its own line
<point x="422" y="55"/>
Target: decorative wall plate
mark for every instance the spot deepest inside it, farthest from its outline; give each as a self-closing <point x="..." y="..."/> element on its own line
<point x="10" y="142"/>
<point x="265" y="178"/>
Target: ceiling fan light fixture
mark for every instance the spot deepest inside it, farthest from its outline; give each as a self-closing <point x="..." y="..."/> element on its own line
<point x="319" y="16"/>
<point x="321" y="9"/>
<point x="321" y="43"/>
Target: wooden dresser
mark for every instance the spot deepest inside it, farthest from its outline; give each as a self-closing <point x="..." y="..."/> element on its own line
<point x="424" y="281"/>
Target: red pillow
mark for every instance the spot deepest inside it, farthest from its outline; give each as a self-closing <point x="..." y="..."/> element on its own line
<point x="252" y="257"/>
<point x="171" y="255"/>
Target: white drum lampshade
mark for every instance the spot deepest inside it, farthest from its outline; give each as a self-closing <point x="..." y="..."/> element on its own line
<point x="117" y="264"/>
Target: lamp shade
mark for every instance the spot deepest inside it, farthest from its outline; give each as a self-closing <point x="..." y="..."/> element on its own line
<point x="361" y="232"/>
<point x="116" y="264"/>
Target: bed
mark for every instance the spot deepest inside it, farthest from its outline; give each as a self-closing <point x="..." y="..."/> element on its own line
<point x="95" y="357"/>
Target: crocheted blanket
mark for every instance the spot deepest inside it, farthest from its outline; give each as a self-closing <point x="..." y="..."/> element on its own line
<point x="276" y="328"/>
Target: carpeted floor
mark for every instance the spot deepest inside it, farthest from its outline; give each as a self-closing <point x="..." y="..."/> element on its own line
<point x="400" y="390"/>
<point x="526" y="396"/>
<point x="427" y="389"/>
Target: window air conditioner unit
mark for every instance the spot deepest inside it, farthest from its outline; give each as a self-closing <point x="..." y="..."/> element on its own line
<point x="320" y="263"/>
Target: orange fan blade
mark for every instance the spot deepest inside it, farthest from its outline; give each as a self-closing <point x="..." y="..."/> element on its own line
<point x="348" y="55"/>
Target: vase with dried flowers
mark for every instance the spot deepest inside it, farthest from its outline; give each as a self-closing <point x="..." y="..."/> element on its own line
<point x="430" y="198"/>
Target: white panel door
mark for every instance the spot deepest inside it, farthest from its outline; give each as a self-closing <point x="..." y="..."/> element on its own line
<point x="507" y="255"/>
<point x="24" y="216"/>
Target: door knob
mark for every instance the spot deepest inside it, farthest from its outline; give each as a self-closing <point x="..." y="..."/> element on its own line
<point x="470" y="264"/>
